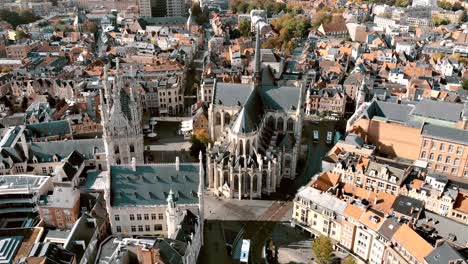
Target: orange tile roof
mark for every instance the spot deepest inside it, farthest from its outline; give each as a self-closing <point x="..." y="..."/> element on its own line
<point x="325" y="181"/>
<point x="354" y="211"/>
<point x="412" y="242"/>
<point x="416" y="184"/>
<point x="368" y="220"/>
<point x="384" y="200"/>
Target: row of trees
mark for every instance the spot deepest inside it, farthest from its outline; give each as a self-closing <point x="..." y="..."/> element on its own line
<point x="245" y="6"/>
<point x="288" y="27"/>
<point x="449" y="6"/>
<point x="16" y="19"/>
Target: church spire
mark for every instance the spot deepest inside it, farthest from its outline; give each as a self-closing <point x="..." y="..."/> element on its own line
<point x="258" y="62"/>
<point x="201" y="187"/>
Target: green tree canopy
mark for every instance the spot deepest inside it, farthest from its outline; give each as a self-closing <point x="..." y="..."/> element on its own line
<point x="245" y="6"/>
<point x="16" y="19"/>
<point x="322" y="248"/>
<point x="322" y="17"/>
<point x="288" y="27"/>
<point x="244" y="27"/>
<point x="465" y="85"/>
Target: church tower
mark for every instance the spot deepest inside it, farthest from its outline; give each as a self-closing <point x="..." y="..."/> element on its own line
<point x="121" y="120"/>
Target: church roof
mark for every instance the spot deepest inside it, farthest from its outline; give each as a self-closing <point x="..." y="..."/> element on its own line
<point x="149" y="185"/>
<point x="250" y="116"/>
<point x="231" y="94"/>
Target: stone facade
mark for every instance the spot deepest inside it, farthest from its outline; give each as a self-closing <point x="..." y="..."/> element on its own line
<point x="121" y="121"/>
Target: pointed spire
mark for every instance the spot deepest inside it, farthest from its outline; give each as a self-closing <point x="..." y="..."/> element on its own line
<point x="170" y="197"/>
<point x="258" y="62"/>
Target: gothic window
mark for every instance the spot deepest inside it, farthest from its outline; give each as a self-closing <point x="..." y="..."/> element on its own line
<point x="117" y="161"/>
<point x="279" y="124"/>
<point x="264" y="180"/>
<point x="290" y="124"/>
<point x="116" y="150"/>
<point x="236" y="183"/>
<point x="287" y="162"/>
<point x="247" y="147"/>
<point x="255" y="183"/>
<point x="227" y="118"/>
<point x="132" y="148"/>
<point x="271" y="122"/>
<point x="217" y="119"/>
<point x="241" y="147"/>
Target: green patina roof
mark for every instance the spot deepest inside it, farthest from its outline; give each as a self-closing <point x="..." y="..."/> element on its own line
<point x="151" y="184"/>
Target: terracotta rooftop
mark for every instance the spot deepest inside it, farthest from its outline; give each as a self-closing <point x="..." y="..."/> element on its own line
<point x="354" y="211"/>
<point x="412" y="242"/>
<point x="384" y="200"/>
<point x="325" y="181"/>
<point x="371" y="220"/>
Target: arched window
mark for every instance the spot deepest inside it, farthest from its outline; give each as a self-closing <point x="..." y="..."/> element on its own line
<point x="236" y="183"/>
<point x="247" y="147"/>
<point x="279" y="124"/>
<point x="255" y="183"/>
<point x="287" y="162"/>
<point x="227" y="118"/>
<point x="132" y="148"/>
<point x="264" y="180"/>
<point x="439" y="158"/>
<point x="241" y="147"/>
<point x="423" y="155"/>
<point x="290" y="124"/>
<point x="116" y="150"/>
<point x="271" y="122"/>
<point x="217" y="119"/>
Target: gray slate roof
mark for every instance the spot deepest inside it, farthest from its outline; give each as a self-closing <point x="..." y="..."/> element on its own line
<point x="438" y="110"/>
<point x="445" y="227"/>
<point x="443" y="254"/>
<point x="44" y="151"/>
<point x="151" y="184"/>
<point x="445" y="133"/>
<point x="231" y="94"/>
<point x="47" y="129"/>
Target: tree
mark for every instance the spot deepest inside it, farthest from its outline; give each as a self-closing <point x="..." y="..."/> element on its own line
<point x="401" y="3"/>
<point x="322" y="17"/>
<point x="16" y="19"/>
<point x="438" y="56"/>
<point x="199" y="143"/>
<point x="445" y="5"/>
<point x="348" y="260"/>
<point x="322" y="248"/>
<point x="244" y="27"/>
<point x="20" y="35"/>
<point x="201" y="17"/>
<point x="465" y="85"/>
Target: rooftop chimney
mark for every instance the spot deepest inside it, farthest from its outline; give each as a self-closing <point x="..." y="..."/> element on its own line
<point x="177" y="163"/>
<point x="133" y="164"/>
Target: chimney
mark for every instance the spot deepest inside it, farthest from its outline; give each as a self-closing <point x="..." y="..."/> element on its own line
<point x="177" y="163"/>
<point x="133" y="164"/>
<point x="376" y="200"/>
